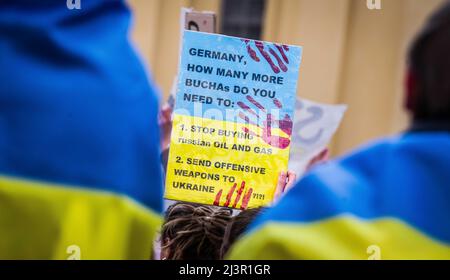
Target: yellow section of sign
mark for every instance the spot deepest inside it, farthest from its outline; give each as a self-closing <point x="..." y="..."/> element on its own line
<point x="208" y="157"/>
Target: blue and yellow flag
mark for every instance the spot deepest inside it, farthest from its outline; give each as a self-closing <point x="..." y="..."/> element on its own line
<point x="79" y="159"/>
<point x="388" y="201"/>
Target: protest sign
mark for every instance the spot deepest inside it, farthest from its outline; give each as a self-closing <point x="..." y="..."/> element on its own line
<point x="314" y="126"/>
<point x="232" y="122"/>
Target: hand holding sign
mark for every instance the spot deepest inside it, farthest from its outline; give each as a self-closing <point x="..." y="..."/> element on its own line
<point x="285" y="182"/>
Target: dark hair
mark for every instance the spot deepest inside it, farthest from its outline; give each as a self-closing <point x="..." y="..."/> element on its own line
<point x="194" y="232"/>
<point x="429" y="61"/>
<point x="237" y="227"/>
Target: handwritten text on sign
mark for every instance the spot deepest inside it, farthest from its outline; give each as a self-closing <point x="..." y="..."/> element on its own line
<point x="232" y="122"/>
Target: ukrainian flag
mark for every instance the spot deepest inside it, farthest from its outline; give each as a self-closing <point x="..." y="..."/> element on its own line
<point x="79" y="163"/>
<point x="388" y="201"/>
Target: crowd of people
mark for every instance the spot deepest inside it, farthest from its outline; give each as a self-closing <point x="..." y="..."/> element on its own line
<point x="80" y="154"/>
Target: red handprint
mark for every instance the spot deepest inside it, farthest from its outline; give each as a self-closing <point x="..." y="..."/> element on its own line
<point x="245" y="199"/>
<point x="264" y="49"/>
<point x="284" y="125"/>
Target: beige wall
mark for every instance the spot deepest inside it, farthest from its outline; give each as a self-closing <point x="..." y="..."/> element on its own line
<point x="352" y="55"/>
<point x="157" y="31"/>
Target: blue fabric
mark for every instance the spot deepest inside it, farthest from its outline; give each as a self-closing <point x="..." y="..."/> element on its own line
<point x="407" y="178"/>
<point x="76" y="106"/>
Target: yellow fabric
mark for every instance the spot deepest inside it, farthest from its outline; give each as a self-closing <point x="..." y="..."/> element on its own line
<point x="345" y="237"/>
<point x="42" y="221"/>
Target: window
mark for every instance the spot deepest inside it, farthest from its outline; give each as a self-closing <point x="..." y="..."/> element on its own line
<point x="242" y="18"/>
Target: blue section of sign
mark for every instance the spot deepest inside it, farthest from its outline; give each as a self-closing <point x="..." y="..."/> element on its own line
<point x="221" y="76"/>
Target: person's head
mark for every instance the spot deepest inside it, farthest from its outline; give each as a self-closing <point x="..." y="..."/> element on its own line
<point x="428" y="80"/>
<point x="237" y="227"/>
<point x="193" y="232"/>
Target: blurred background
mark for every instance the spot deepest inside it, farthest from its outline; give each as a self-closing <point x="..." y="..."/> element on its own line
<point x="352" y="54"/>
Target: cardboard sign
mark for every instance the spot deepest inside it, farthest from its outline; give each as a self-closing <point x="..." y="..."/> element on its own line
<point x="232" y="122"/>
<point x="199" y="21"/>
<point x="314" y="126"/>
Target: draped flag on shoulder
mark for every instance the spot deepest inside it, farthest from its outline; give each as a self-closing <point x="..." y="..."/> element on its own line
<point x="389" y="201"/>
<point x="79" y="159"/>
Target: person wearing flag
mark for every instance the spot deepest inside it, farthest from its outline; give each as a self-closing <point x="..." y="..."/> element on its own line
<point x="79" y="172"/>
<point x="388" y="200"/>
